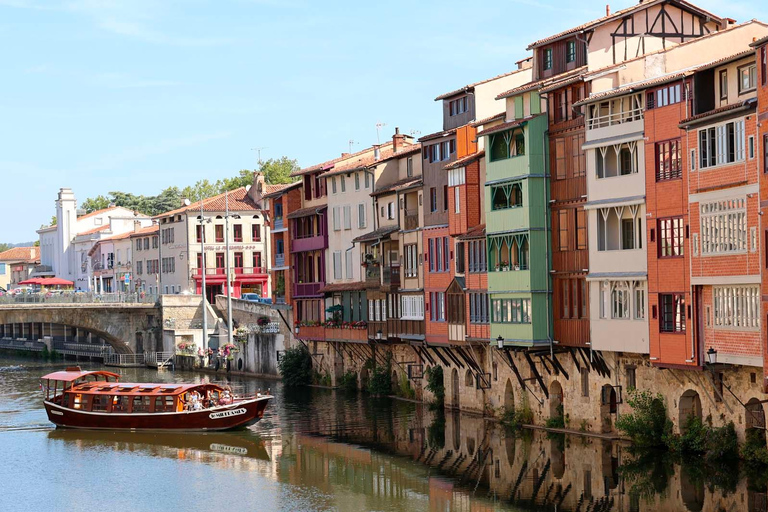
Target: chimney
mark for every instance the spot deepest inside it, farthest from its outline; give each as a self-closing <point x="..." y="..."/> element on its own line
<point x="344" y="155"/>
<point x="31" y="253"/>
<point x="136" y="226"/>
<point x="607" y="10"/>
<point x="398" y="140"/>
<point x="376" y="152"/>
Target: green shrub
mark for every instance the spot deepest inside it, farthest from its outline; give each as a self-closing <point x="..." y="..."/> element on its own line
<point x="693" y="439"/>
<point x="348" y="381"/>
<point x="648" y="424"/>
<point x="296" y="366"/>
<point x="722" y="444"/>
<point x="516" y="418"/>
<point x="754" y="450"/>
<point x="436" y="431"/>
<point x="435" y="384"/>
<point x="558" y="420"/>
<point x="404" y="388"/>
<point x="380" y="381"/>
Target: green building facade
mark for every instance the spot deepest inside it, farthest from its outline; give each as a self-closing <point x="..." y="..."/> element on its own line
<point x="517" y="224"/>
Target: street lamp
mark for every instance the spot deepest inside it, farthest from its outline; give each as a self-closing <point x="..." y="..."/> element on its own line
<point x="712" y="356"/>
<point x="500" y="342"/>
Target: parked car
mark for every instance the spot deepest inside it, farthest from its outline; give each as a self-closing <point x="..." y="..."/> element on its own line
<point x="251" y="297"/>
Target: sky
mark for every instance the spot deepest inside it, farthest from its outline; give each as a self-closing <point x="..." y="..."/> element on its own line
<point x="140" y="95"/>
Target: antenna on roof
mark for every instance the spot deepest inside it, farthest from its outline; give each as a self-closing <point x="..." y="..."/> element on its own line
<point x="352" y="143"/>
<point x="379" y="126"/>
<point x="258" y="152"/>
<point x="415" y="133"/>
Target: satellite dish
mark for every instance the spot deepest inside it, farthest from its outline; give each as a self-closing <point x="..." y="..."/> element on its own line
<point x="247" y="188"/>
<point x="187" y="202"/>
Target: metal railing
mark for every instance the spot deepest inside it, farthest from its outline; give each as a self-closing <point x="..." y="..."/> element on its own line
<point x="280" y="260"/>
<point x="124" y="360"/>
<point x="79" y="298"/>
<point x="277" y="223"/>
<point x="29" y="346"/>
<point x="157" y="358"/>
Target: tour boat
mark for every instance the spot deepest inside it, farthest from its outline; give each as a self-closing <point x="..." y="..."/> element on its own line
<point x="98" y="400"/>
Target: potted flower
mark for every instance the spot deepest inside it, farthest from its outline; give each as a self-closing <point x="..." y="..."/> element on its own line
<point x="504" y="266"/>
<point x="263" y="321"/>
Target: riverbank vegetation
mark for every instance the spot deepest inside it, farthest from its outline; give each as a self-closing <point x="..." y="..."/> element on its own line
<point x="436" y="386"/>
<point x="295" y="366"/>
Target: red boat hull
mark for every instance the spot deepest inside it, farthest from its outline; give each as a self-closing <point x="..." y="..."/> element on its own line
<point x="239" y="414"/>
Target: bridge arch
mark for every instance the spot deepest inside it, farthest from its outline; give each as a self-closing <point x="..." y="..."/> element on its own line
<point x="116" y="324"/>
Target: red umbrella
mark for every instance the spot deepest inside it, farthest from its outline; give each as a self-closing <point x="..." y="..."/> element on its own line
<point x="34" y="280"/>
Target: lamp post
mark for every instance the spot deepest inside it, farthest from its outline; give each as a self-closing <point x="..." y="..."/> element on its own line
<point x="228" y="269"/>
<point x="202" y="273"/>
<point x="500" y="342"/>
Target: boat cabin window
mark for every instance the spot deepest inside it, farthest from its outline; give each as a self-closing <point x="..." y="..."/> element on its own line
<point x="78" y="401"/>
<point x="126" y="389"/>
<point x="106" y="388"/>
<point x="164" y="404"/>
<point x="120" y="403"/>
<point x="140" y="404"/>
<point x="168" y="390"/>
<point x="100" y="402"/>
<point x="147" y="389"/>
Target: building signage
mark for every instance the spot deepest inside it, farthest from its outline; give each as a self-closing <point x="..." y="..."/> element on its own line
<point x="226" y="414"/>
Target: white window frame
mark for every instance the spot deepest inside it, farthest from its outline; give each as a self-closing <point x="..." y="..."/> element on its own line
<point x="336" y="218"/>
<point x="724" y="227"/>
<point x="721" y="146"/>
<point x="457" y="200"/>
<point x="347" y="210"/>
<point x="737" y="307"/>
<point x="412" y="307"/>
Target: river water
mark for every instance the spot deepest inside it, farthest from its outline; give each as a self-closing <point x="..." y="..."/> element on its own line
<point x="318" y="449"/>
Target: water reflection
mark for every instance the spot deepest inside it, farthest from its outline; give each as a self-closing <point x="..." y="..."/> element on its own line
<point x="329" y="450"/>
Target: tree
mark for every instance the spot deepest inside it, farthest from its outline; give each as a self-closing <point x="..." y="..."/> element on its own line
<point x="279" y="171"/>
<point x="4" y="247"/>
<point x="244" y="179"/>
<point x="95" y="203"/>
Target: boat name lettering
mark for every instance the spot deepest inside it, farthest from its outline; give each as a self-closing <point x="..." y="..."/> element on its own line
<point x="229" y="449"/>
<point x="226" y="414"/>
<point x="58" y="413"/>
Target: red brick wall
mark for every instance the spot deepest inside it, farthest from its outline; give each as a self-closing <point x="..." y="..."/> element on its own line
<point x="436" y="332"/>
<point x="667" y="198"/>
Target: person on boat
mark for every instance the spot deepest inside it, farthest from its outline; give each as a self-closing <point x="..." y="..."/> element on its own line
<point x="226" y="396"/>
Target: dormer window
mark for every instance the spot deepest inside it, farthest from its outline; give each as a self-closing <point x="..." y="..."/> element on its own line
<point x="570" y="51"/>
<point x="458" y="106"/>
<point x="548" y="59"/>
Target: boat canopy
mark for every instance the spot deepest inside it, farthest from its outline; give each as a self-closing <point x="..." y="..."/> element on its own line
<point x="139" y="389"/>
<point x="74" y="373"/>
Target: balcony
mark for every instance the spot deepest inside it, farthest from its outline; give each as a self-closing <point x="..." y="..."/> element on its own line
<point x="307" y="289"/>
<point x="310" y="243"/>
<point x="314" y="332"/>
<point x="214" y="272"/>
<point x="372" y="273"/>
<point x="280" y="260"/>
<point x="411" y="219"/>
<point x="278" y="224"/>
<point x="248" y="271"/>
<point x="340" y="334"/>
<point x="396" y="328"/>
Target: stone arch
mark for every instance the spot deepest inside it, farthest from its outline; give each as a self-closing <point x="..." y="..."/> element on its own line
<point x="116" y="324"/>
<point x="509" y="447"/>
<point x="754" y="414"/>
<point x="471" y="446"/>
<point x="689" y="405"/>
<point x="456" y="431"/>
<point x="469" y="379"/>
<point x="509" y="397"/>
<point x="557" y="455"/>
<point x="455" y="402"/>
<point x="556" y="399"/>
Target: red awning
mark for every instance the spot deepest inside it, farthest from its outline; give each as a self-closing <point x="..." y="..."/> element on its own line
<point x="48" y="281"/>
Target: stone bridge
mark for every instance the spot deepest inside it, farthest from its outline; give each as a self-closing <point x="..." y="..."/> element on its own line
<point x="128" y="328"/>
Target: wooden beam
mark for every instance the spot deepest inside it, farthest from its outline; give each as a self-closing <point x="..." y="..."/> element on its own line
<point x="437" y="353"/>
<point x="575" y="360"/>
<point x="559" y="366"/>
<point x="536" y="374"/>
<point x="511" y="363"/>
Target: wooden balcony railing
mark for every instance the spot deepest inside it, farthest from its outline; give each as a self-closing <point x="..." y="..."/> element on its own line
<point x="411" y="219"/>
<point x="360" y="335"/>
